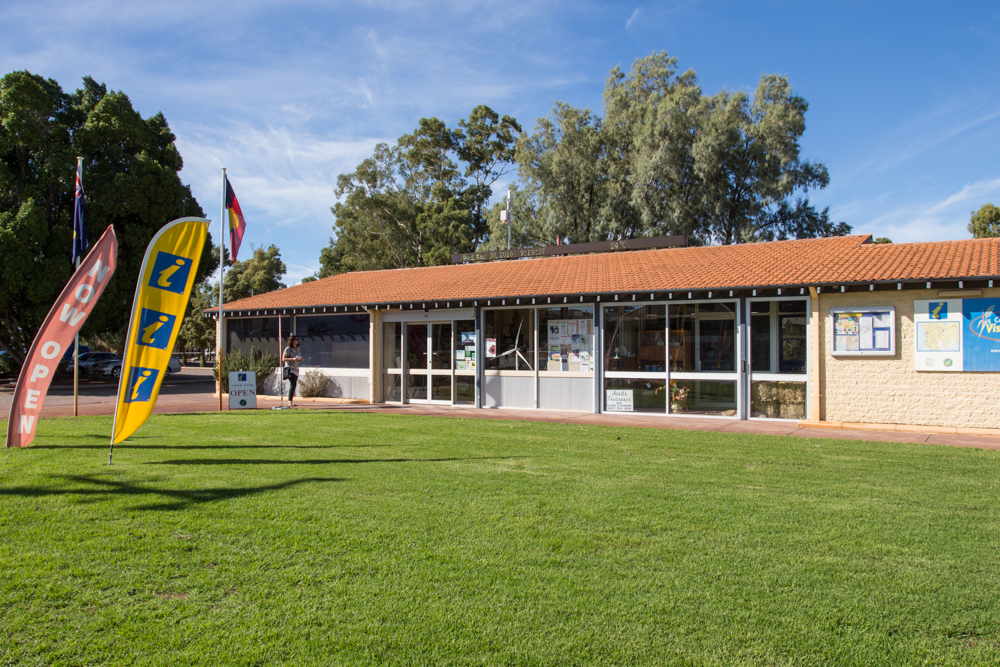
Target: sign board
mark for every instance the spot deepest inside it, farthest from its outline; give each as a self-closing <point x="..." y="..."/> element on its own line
<point x="862" y="332"/>
<point x="982" y="334"/>
<point x="242" y="390"/>
<point x="957" y="335"/>
<point x="618" y="400"/>
<point x="938" y="325"/>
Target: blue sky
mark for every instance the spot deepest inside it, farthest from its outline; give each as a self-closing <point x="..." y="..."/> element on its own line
<point x="904" y="97"/>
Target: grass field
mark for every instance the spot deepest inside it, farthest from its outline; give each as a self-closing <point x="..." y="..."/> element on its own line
<point x="324" y="538"/>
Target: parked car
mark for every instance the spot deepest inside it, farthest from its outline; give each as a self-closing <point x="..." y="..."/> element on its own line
<point x="68" y="357"/>
<point x="114" y="368"/>
<point x="91" y="360"/>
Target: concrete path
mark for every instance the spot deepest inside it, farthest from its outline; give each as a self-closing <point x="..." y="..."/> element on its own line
<point x="192" y="389"/>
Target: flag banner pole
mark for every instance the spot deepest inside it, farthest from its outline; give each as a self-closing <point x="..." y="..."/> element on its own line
<point x="76" y="366"/>
<point x="79" y="245"/>
<point x="61" y="325"/>
<point x="162" y="292"/>
<point x="222" y="273"/>
<point x="281" y="371"/>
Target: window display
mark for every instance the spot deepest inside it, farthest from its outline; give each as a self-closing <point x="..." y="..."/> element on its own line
<point x="565" y="339"/>
<point x="510" y="336"/>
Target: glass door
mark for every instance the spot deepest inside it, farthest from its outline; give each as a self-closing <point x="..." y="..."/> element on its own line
<point x="704" y="362"/>
<point x="465" y="362"/>
<point x="416" y="362"/>
<point x="779" y="371"/>
<point x="429" y="362"/>
<point x="440" y="362"/>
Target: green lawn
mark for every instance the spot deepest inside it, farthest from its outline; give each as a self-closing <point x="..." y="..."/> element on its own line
<point x="322" y="538"/>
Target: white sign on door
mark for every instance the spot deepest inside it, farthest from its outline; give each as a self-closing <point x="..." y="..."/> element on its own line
<point x="618" y="400"/>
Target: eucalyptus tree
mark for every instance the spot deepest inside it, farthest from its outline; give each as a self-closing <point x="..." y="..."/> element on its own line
<point x="410" y="204"/>
<point x="131" y="179"/>
<point x="666" y="159"/>
<point x="985" y="223"/>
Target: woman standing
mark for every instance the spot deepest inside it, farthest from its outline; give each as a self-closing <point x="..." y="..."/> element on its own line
<point x="291" y="358"/>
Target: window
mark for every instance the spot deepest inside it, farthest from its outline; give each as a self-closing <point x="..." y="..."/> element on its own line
<point x="635" y="338"/>
<point x="510" y="336"/>
<point x="333" y="341"/>
<point x="703" y="338"/>
<point x="391" y="342"/>
<point x="465" y="346"/>
<point x="779" y="336"/>
<point x="566" y="339"/>
<point x="260" y="333"/>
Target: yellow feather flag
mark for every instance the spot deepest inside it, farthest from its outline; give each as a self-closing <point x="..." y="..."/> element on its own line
<point x="161" y="298"/>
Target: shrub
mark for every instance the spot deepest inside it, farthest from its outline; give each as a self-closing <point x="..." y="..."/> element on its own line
<point x="8" y="365"/>
<point x="261" y="363"/>
<point x="313" y="384"/>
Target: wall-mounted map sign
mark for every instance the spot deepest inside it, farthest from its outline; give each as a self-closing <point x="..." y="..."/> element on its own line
<point x="957" y="335"/>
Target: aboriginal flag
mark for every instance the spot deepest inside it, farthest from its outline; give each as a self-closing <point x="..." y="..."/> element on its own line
<point x="79" y="231"/>
<point x="236" y="223"/>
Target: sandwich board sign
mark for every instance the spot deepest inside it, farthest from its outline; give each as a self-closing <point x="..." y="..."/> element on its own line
<point x="242" y="390"/>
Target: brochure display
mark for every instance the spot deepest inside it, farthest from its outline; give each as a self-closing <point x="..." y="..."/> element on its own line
<point x="864" y="331"/>
<point x="569" y="345"/>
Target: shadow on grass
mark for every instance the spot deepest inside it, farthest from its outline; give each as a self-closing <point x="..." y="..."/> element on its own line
<point x="174" y="499"/>
<point x="147" y="448"/>
<point x="227" y="462"/>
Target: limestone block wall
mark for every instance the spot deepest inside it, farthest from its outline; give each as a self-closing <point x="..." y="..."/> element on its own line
<point x="888" y="390"/>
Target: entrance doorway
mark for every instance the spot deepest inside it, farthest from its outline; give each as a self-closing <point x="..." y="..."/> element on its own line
<point x="429" y="374"/>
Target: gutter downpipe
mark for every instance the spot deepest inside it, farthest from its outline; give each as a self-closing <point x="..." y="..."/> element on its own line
<point x="815" y="351"/>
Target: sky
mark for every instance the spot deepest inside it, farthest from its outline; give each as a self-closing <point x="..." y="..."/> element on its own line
<point x="904" y="101"/>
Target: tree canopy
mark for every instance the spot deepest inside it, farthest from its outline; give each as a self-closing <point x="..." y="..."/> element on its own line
<point x="422" y="200"/>
<point x="260" y="273"/>
<point x="985" y="223"/>
<point x="666" y="159"/>
<point x="131" y="168"/>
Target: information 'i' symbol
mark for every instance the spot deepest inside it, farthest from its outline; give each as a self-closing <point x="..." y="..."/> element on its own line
<point x="138" y="383"/>
<point x="150" y="331"/>
<point x="164" y="279"/>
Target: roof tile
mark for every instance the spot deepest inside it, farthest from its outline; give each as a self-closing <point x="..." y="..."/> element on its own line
<point x="843" y="259"/>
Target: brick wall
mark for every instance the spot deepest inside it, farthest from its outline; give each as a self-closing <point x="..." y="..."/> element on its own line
<point x="888" y="390"/>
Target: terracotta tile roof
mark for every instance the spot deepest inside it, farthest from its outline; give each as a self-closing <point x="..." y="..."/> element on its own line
<point x="828" y="261"/>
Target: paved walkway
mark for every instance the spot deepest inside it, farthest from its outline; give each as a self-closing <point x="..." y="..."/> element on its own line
<point x="192" y="391"/>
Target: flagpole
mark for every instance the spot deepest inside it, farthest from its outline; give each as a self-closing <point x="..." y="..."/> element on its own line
<point x="76" y="366"/>
<point x="76" y="339"/>
<point x="281" y="370"/>
<point x="222" y="270"/>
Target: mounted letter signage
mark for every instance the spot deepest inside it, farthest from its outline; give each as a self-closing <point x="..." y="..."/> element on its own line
<point x="957" y="335"/>
<point x="242" y="390"/>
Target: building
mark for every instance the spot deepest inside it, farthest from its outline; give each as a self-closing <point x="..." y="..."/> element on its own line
<point x="834" y="329"/>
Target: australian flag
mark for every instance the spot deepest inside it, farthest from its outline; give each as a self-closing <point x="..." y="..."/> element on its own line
<point x="79" y="232"/>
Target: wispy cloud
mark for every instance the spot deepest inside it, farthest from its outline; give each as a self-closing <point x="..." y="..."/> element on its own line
<point x="632" y="19"/>
<point x="944" y="219"/>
